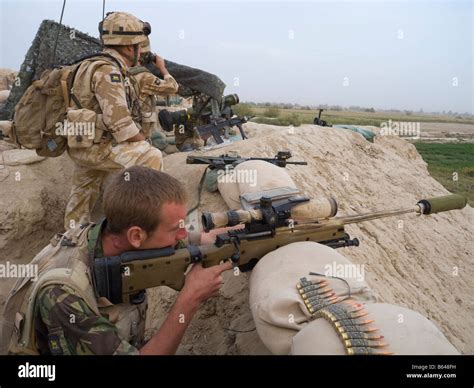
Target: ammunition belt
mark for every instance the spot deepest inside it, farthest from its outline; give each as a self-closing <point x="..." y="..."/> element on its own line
<point x="345" y="315"/>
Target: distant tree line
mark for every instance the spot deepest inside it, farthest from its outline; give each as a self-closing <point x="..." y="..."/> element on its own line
<point x="352" y="108"/>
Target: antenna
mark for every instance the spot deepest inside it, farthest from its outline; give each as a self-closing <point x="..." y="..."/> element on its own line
<point x="57" y="36"/>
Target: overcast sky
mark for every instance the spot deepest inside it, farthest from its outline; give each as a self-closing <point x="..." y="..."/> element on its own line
<point x="382" y="54"/>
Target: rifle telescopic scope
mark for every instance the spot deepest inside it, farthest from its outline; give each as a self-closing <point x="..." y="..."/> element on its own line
<point x="273" y="214"/>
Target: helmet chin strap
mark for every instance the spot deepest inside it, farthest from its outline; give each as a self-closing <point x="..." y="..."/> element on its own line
<point x="135" y="54"/>
<point x="132" y="58"/>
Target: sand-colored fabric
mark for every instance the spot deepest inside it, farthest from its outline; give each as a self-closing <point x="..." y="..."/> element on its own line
<point x="263" y="176"/>
<point x="405" y="331"/>
<point x="267" y="176"/>
<point x="284" y="323"/>
<point x="277" y="308"/>
<point x="16" y="157"/>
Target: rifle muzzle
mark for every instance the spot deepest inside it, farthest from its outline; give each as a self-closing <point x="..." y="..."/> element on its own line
<point x="442" y="204"/>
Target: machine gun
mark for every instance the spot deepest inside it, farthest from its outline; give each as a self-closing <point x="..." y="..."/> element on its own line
<point x="215" y="128"/>
<point x="319" y="121"/>
<point x="219" y="162"/>
<point x="207" y="118"/>
<point x="123" y="277"/>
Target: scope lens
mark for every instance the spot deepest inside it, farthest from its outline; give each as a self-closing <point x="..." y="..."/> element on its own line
<point x="207" y="222"/>
<point x="231" y="99"/>
<point x="168" y="119"/>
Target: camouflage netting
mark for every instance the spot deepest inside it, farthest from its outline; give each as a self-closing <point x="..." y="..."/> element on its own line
<point x="73" y="45"/>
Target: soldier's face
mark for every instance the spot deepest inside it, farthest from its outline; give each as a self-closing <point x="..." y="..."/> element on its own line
<point x="171" y="228"/>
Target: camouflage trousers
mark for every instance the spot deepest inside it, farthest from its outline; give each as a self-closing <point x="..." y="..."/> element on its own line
<point x="94" y="164"/>
<point x="187" y="140"/>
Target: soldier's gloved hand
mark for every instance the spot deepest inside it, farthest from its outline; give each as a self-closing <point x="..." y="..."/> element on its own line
<point x="204" y="283"/>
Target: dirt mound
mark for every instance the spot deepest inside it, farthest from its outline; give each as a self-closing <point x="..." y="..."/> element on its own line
<point x="420" y="263"/>
<point x="33" y="197"/>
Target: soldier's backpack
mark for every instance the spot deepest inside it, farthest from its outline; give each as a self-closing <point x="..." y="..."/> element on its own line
<point x="42" y="108"/>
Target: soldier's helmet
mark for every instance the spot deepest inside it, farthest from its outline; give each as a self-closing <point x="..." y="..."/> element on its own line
<point x="123" y="29"/>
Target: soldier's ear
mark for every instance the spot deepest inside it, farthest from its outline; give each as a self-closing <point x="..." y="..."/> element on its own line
<point x="136" y="236"/>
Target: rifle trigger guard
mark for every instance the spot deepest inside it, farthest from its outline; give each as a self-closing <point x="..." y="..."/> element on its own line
<point x="235" y="258"/>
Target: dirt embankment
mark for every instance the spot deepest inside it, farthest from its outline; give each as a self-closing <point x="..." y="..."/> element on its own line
<point x="423" y="263"/>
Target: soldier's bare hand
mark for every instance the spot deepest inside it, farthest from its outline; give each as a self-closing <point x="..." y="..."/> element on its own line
<point x="138" y="137"/>
<point x="160" y="64"/>
<point x="204" y="283"/>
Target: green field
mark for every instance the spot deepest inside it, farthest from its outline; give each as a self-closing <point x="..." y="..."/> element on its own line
<point x="446" y="159"/>
<point x="281" y="116"/>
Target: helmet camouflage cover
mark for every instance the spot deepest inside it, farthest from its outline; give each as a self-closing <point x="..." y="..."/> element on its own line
<point x="122" y="29"/>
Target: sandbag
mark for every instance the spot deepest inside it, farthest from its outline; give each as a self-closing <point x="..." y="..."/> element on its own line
<point x="285" y="325"/>
<point x="405" y="331"/>
<point x="262" y="176"/>
<point x="277" y="308"/>
<point x="258" y="176"/>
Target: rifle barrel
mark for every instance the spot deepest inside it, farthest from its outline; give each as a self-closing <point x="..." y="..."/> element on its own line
<point x="298" y="163"/>
<point x="425" y="206"/>
<point x="376" y="215"/>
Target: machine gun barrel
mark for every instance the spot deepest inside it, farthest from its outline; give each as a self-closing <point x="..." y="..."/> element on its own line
<point x="215" y="127"/>
<point x="280" y="160"/>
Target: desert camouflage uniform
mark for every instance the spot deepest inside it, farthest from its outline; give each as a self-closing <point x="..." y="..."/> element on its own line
<point x="109" y="92"/>
<point x="149" y="86"/>
<point x="187" y="140"/>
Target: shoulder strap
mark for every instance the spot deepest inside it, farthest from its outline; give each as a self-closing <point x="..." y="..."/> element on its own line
<point x="138" y="69"/>
<point x="106" y="56"/>
<point x="95" y="55"/>
<point x="93" y="238"/>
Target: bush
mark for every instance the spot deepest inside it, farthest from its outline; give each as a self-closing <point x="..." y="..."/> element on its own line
<point x="294" y="119"/>
<point x="272" y="111"/>
<point x="243" y="109"/>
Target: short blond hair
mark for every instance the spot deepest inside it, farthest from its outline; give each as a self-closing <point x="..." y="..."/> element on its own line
<point x="135" y="197"/>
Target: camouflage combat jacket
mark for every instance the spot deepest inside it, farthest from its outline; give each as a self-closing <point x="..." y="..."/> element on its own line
<point x="59" y="312"/>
